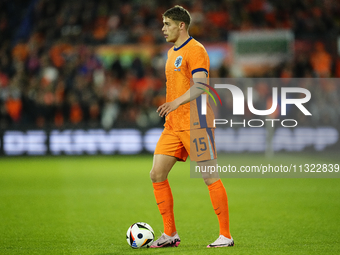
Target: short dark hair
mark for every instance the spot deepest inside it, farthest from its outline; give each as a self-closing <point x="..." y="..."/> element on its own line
<point x="178" y="13"/>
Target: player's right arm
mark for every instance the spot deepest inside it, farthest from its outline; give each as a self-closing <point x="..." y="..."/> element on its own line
<point x="191" y="94"/>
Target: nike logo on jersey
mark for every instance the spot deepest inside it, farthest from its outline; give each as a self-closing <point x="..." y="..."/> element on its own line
<point x="198" y="155"/>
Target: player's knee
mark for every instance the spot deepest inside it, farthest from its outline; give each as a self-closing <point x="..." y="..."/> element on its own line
<point x="153" y="175"/>
<point x="206" y="181"/>
<point x="157" y="176"/>
<point x="209" y="181"/>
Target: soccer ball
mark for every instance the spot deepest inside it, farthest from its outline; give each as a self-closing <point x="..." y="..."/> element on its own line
<point x="140" y="235"/>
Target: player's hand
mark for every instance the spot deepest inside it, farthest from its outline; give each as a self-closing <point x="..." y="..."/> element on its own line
<point x="166" y="108"/>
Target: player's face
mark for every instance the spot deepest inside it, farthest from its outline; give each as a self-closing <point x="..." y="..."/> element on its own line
<point x="170" y="29"/>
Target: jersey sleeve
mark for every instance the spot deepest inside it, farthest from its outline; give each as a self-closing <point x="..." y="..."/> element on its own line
<point x="199" y="60"/>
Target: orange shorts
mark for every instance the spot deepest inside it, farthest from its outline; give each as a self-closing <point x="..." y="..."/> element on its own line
<point x="198" y="143"/>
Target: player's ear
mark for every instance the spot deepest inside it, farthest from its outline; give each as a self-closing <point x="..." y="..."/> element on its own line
<point x="182" y="25"/>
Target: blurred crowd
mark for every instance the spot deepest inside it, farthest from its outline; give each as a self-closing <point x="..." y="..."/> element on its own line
<point x="52" y="77"/>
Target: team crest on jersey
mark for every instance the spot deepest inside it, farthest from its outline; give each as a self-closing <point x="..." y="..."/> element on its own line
<point x="178" y="61"/>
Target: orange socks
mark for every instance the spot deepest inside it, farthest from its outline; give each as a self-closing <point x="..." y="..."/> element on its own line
<point x="219" y="201"/>
<point x="165" y="205"/>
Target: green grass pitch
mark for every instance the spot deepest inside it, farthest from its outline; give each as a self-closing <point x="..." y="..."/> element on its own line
<point x="84" y="205"/>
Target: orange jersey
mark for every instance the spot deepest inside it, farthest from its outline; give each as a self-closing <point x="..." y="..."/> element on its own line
<point x="181" y="64"/>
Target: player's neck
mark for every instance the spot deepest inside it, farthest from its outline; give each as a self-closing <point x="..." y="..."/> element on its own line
<point x="181" y="39"/>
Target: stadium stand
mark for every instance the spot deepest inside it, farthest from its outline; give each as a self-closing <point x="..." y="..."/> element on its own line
<point x="52" y="77"/>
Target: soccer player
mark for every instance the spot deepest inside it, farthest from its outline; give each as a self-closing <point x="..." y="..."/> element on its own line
<point x="187" y="60"/>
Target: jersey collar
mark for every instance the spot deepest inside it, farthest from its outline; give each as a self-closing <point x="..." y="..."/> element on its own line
<point x="176" y="49"/>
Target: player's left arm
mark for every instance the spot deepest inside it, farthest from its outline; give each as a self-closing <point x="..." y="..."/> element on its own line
<point x="192" y="93"/>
